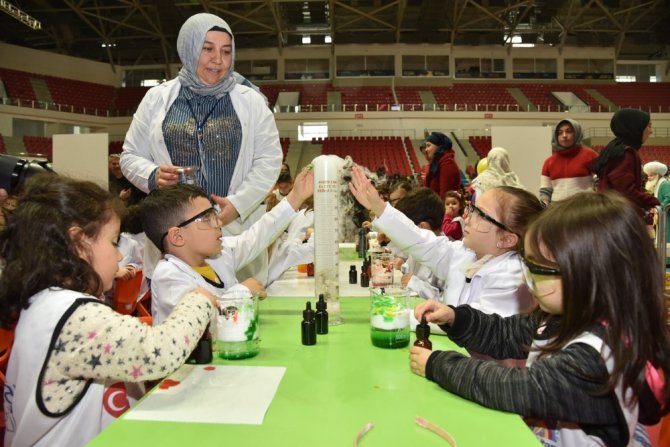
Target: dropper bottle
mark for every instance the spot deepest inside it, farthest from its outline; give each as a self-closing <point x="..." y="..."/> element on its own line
<point x="422" y="334"/>
<point x="308" y="326"/>
<point x="321" y="316"/>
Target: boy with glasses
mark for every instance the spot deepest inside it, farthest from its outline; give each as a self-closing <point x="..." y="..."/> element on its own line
<point x="182" y="223"/>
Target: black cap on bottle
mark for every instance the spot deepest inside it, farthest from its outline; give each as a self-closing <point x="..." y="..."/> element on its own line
<point x="321" y="304"/>
<point x="422" y="329"/>
<point x="308" y="313"/>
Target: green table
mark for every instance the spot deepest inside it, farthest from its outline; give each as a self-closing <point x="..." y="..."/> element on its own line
<point x="331" y="390"/>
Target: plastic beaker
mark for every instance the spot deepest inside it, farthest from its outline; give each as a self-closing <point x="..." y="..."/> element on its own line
<point x="389" y="317"/>
<point x="381" y="270"/>
<point x="188" y="175"/>
<point x="237" y="325"/>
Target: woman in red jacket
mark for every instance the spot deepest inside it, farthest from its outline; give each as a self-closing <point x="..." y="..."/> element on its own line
<point x="618" y="166"/>
<point x="443" y="174"/>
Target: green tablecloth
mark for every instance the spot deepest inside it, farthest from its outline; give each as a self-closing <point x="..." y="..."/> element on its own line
<point x="331" y="390"/>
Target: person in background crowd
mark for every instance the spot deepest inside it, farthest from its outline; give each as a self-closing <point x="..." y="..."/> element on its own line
<point x="498" y="172"/>
<point x="423" y="173"/>
<point x="658" y="185"/>
<point x="453" y="223"/>
<point x="210" y="118"/>
<point x="618" y="166"/>
<point x="119" y="185"/>
<point x="443" y="174"/>
<point x="423" y="207"/>
<point x="566" y="171"/>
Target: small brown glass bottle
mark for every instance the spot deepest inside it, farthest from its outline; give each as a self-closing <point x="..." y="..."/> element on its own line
<point x="422" y="334"/>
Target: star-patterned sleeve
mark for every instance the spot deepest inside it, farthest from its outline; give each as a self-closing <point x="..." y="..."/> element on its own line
<point x="97" y="343"/>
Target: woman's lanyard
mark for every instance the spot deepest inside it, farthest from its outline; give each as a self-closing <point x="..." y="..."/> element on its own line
<point x="199" y="125"/>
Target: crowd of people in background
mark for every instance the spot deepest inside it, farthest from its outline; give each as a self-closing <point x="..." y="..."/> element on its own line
<point x="200" y="201"/>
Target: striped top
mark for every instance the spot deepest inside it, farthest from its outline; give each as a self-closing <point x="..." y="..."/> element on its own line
<point x="204" y="131"/>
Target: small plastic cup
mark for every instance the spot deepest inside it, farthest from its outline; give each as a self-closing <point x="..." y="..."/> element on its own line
<point x="381" y="270"/>
<point x="188" y="175"/>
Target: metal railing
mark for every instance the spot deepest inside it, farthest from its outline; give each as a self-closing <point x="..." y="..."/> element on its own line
<point x="661" y="234"/>
<point x="355" y="108"/>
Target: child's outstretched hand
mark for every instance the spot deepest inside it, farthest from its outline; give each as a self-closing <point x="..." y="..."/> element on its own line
<point x="303" y="187"/>
<point x="365" y="192"/>
<point x="255" y="287"/>
<point x="418" y="357"/>
<point x="435" y="312"/>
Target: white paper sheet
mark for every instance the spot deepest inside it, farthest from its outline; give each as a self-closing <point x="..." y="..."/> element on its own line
<point x="212" y="394"/>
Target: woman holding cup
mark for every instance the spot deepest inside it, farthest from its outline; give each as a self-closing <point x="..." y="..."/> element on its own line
<point x="209" y="121"/>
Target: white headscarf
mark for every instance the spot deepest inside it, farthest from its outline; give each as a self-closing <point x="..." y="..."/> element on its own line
<point x="657" y="168"/>
<point x="189" y="46"/>
<point x="498" y="173"/>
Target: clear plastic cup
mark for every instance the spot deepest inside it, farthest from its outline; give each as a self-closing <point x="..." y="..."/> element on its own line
<point x="237" y="325"/>
<point x="381" y="270"/>
<point x="188" y="175"/>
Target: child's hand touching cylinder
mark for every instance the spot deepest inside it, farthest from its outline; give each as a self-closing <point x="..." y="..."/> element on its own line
<point x="365" y="192"/>
<point x="303" y="187"/>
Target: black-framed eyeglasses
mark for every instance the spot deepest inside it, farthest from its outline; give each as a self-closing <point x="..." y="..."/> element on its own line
<point x="472" y="209"/>
<point x="208" y="217"/>
<point x="537" y="269"/>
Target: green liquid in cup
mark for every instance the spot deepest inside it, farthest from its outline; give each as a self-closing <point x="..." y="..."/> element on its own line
<point x="390" y="339"/>
<point x="236" y="350"/>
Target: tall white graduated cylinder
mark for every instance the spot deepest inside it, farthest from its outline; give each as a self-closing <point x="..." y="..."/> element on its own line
<point x="327" y="184"/>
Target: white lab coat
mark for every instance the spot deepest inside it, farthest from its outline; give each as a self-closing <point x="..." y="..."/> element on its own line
<point x="496" y="288"/>
<point x="257" y="165"/>
<point x="173" y="278"/>
<point x="289" y="249"/>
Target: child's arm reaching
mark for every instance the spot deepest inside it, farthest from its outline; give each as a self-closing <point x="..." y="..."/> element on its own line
<point x="365" y="192"/>
<point x="97" y="343"/>
<point x="303" y="188"/>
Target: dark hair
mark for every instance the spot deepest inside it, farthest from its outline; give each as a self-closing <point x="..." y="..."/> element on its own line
<point x="131" y="221"/>
<point x="628" y="126"/>
<point x="284" y="177"/>
<point x="517" y="209"/>
<point x="165" y="207"/>
<point x="423" y="205"/>
<point x="610" y="275"/>
<point x="36" y="247"/>
<point x="407" y="186"/>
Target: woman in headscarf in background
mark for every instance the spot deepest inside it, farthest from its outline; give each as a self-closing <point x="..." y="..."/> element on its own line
<point x="498" y="173"/>
<point x="618" y="166"/>
<point x="443" y="174"/>
<point x="566" y="171"/>
<point x="209" y="119"/>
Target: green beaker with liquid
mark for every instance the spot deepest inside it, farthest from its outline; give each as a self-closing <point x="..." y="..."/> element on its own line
<point x="237" y="325"/>
<point x="389" y="317"/>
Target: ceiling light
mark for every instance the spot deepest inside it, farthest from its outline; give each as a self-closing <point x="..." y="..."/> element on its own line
<point x="20" y="15"/>
<point x="328" y="39"/>
<point x="306" y="40"/>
